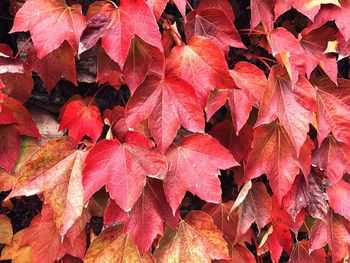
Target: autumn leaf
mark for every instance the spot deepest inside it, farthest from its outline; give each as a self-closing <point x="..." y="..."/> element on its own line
<point x="301" y="253"/>
<point x="273" y="154"/>
<point x="50" y="23"/>
<point x="157" y="6"/>
<point x="51" y="68"/>
<point x="117" y="25"/>
<point x="196" y="239"/>
<point x="167" y="103"/>
<point x="194" y="166"/>
<point x="82" y="117"/>
<point x="262" y="11"/>
<point x="309" y="8"/>
<point x="288" y="51"/>
<point x="293" y="105"/>
<point x="214" y="24"/>
<point x="338" y="195"/>
<point x="112" y="246"/>
<point x="333" y="157"/>
<point x="223" y="5"/>
<point x="123" y="168"/>
<point x="56" y="170"/>
<point x="146" y="219"/>
<point x="334" y="232"/>
<point x="202" y="64"/>
<point x="333" y="110"/>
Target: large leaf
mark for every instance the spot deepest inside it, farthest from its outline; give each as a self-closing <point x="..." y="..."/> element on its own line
<point x="167" y="104"/>
<point x="117" y="25"/>
<point x="202" y="64"/>
<point x="123" y="168"/>
<point x="196" y="239"/>
<point x="50" y="23"/>
<point x="194" y="165"/>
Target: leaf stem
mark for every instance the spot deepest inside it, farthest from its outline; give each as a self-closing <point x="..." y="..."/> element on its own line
<point x="189" y="5"/>
<point x="172" y="29"/>
<point x="261" y="60"/>
<point x="112" y="3"/>
<point x="22" y="48"/>
<point x="92" y="99"/>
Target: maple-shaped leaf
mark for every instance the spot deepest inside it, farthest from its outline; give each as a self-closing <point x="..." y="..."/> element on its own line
<point x="340" y="14"/>
<point x="123" y="168"/>
<point x="288" y="51"/>
<point x="194" y="165"/>
<point x="112" y="246"/>
<point x="202" y="64"/>
<point x="314" y="45"/>
<point x="51" y="68"/>
<point x="214" y="24"/>
<point x="338" y="195"/>
<point x="118" y="25"/>
<point x="309" y="8"/>
<point x="56" y="170"/>
<point x="10" y="132"/>
<point x="196" y="239"/>
<point x="262" y="11"/>
<point x="167" y="103"/>
<point x="256" y="207"/>
<point x="293" y="105"/>
<point x="301" y="253"/>
<point x="333" y="109"/>
<point x="142" y="59"/>
<point x="332" y="156"/>
<point x="157" y="6"/>
<point x="82" y="117"/>
<point x="252" y="84"/>
<point x="273" y="154"/>
<point x="146" y="219"/>
<point x="45" y="240"/>
<point x="108" y="70"/>
<point x="239" y="145"/>
<point x="6" y="231"/>
<point x="306" y="195"/>
<point x="334" y="232"/>
<point x="50" y="23"/>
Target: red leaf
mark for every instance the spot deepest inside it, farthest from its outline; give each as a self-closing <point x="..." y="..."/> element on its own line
<point x="338" y="198"/>
<point x="194" y="166"/>
<point x="50" y="23"/>
<point x="332" y="156"/>
<point x="334" y="232"/>
<point x="142" y="59"/>
<point x="314" y="45"/>
<point x="123" y="168"/>
<point x="300" y="254"/>
<point x="202" y="64"/>
<point x="291" y="104"/>
<point x="51" y="68"/>
<point x="262" y="11"/>
<point x="252" y="84"/>
<point x="222" y="5"/>
<point x="273" y="155"/>
<point x="287" y="49"/>
<point x="157" y="6"/>
<point x="239" y="145"/>
<point x="108" y="70"/>
<point x="240" y="254"/>
<point x="214" y="24"/>
<point x="308" y="8"/>
<point x="146" y="219"/>
<point x="56" y="170"/>
<point x="197" y="239"/>
<point x="333" y="110"/>
<point x="118" y="25"/>
<point x="81" y="117"/>
<point x="303" y="195"/>
<point x="45" y="241"/>
<point x="167" y="104"/>
<point x="331" y="12"/>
